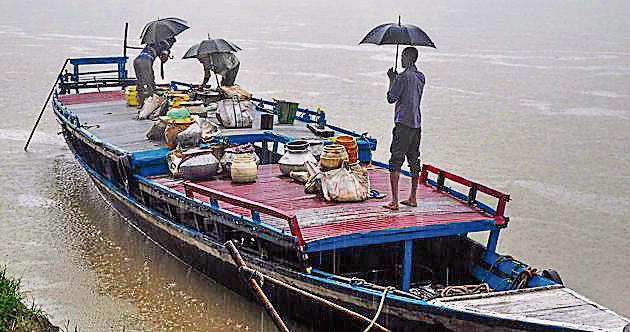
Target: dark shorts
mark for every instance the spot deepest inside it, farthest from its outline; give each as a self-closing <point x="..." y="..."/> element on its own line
<point x="405" y="143"/>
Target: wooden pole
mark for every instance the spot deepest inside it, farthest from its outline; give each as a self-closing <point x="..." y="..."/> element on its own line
<point x="311" y="296"/>
<point x="125" y="40"/>
<point x="52" y="89"/>
<point x="277" y="320"/>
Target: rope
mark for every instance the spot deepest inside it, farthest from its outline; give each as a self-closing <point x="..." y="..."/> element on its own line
<point x="465" y="290"/>
<point x="380" y="308"/>
<point x="523" y="277"/>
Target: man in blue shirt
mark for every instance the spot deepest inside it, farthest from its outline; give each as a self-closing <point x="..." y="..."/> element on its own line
<point x="405" y="89"/>
<point x="143" y="67"/>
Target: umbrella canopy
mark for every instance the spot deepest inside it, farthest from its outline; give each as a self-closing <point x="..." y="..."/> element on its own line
<point x="209" y="46"/>
<point x="397" y="34"/>
<point x="217" y="45"/>
<point x="162" y="29"/>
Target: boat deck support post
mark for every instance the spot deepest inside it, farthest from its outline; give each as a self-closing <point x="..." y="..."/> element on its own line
<point x="493" y="239"/>
<point x="407" y="264"/>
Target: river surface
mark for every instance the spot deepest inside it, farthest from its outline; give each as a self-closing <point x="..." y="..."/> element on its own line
<point x="529" y="97"/>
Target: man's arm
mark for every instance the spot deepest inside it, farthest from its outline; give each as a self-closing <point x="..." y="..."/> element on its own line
<point x="395" y="87"/>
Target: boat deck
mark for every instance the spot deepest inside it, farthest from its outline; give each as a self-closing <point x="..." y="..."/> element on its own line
<point x="327" y="225"/>
<point x="107" y="116"/>
<point x="555" y="304"/>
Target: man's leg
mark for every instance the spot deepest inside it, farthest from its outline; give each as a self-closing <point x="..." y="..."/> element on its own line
<point x="394" y="175"/>
<point x="413" y="158"/>
<point x="396" y="160"/>
<point x="230" y="76"/>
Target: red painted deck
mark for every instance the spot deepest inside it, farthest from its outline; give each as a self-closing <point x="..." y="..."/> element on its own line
<point x="91" y="97"/>
<point x="319" y="219"/>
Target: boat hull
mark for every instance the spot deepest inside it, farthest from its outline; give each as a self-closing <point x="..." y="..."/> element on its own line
<point x="213" y="260"/>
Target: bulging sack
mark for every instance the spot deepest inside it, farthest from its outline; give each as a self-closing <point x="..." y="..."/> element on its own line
<point x="235" y="114"/>
<point x="345" y="184"/>
<point x="151" y="104"/>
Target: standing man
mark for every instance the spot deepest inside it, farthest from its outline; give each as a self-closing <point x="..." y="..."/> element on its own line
<point x="225" y="64"/>
<point x="405" y="89"/>
<point x="143" y="67"/>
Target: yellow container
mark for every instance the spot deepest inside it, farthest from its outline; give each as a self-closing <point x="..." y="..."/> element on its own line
<point x="132" y="92"/>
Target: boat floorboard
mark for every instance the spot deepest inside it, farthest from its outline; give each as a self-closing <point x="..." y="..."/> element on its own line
<point x="320" y="219"/>
<point x="556" y="304"/>
<point x="116" y="123"/>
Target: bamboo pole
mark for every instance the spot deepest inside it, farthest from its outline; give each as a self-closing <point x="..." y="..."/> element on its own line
<point x="52" y="89"/>
<point x="314" y="297"/>
<point x="277" y="320"/>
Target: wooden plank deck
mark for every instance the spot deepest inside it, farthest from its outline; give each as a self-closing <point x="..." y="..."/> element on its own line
<point x="118" y="125"/>
<point x="319" y="219"/>
<point x="556" y="304"/>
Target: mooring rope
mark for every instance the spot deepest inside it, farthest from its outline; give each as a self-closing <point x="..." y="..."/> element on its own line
<point x="380" y="308"/>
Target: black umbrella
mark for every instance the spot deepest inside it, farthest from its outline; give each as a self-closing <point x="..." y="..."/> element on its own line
<point x="218" y="45"/>
<point x="398" y="34"/>
<point x="162" y="29"/>
<point x="209" y="46"/>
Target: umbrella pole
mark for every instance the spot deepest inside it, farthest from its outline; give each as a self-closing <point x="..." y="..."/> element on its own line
<point x="396" y="60"/>
<point x="213" y="69"/>
<point x="396" y="63"/>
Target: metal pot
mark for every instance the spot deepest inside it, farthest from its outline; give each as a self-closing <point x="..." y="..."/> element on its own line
<point x="296" y="155"/>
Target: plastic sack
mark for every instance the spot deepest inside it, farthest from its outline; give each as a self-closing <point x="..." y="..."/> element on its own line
<point x="345" y="184"/>
<point x="189" y="137"/>
<point x="151" y="104"/>
<point x="235" y="114"/>
<point x="156" y="132"/>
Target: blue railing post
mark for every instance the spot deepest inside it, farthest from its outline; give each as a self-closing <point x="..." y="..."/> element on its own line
<point x="407" y="265"/>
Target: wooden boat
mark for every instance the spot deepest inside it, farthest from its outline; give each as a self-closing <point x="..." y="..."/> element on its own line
<point x="347" y="253"/>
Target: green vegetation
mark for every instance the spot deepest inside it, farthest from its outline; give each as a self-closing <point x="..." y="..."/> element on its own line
<point x="15" y="316"/>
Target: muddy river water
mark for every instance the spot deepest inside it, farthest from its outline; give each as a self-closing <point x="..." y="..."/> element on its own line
<point x="531" y="98"/>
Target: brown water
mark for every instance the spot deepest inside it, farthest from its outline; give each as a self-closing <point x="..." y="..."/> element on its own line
<point x="531" y="98"/>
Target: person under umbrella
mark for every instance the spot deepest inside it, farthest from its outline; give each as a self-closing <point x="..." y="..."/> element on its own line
<point x="159" y="37"/>
<point x="216" y="55"/>
<point x="143" y="67"/>
<point x="405" y="90"/>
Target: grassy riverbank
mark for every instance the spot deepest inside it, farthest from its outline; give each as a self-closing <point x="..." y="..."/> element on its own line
<point x="15" y="314"/>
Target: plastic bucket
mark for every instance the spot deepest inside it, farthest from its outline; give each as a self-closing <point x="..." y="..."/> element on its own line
<point x="286" y="111"/>
<point x="266" y="121"/>
<point x="131" y="92"/>
<point x="351" y="146"/>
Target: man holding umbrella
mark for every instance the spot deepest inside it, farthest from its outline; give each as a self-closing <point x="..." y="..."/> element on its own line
<point x="216" y="55"/>
<point x="405" y="90"/>
<point x="143" y="67"/>
<point x="159" y="37"/>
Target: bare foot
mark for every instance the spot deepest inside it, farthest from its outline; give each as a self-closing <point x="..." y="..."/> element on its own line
<point x="409" y="202"/>
<point x="392" y="206"/>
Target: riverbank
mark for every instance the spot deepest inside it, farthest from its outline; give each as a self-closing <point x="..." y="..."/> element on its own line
<point x="15" y="314"/>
